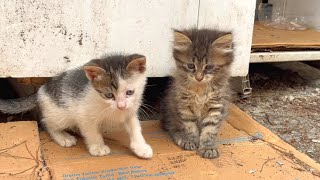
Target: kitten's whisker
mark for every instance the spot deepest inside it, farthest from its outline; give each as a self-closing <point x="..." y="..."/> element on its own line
<point x="144" y="113"/>
<point x="149" y="106"/>
<point x="141" y="115"/>
<point x="151" y="85"/>
<point x="148" y="109"/>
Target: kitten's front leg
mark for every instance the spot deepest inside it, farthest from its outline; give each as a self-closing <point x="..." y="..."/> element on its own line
<point x="187" y="137"/>
<point x="184" y="129"/>
<point x="137" y="143"/>
<point x="94" y="140"/>
<point x="209" y="130"/>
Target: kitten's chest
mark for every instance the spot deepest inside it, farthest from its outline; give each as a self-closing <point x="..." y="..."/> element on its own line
<point x="198" y="104"/>
<point x="200" y="100"/>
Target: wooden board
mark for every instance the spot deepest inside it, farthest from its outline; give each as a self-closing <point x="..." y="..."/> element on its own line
<point x="268" y="37"/>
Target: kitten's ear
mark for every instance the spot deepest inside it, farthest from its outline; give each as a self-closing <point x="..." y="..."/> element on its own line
<point x="181" y="41"/>
<point x="94" y="73"/>
<point x="224" y="42"/>
<point x="137" y="64"/>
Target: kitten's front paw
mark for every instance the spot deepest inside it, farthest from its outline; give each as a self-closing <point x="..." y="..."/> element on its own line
<point x="189" y="145"/>
<point x="208" y="152"/>
<point x="99" y="150"/>
<point x="65" y="140"/>
<point x="142" y="150"/>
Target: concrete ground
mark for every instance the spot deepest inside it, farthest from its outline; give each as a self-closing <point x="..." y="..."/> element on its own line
<point x="286" y="99"/>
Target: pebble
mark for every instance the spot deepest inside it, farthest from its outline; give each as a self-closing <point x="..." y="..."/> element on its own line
<point x="291" y="98"/>
<point x="293" y="122"/>
<point x="296" y="135"/>
<point x="280" y="163"/>
<point x="272" y="120"/>
<point x="286" y="137"/>
<point x="312" y="133"/>
<point x="316" y="140"/>
<point x="284" y="98"/>
<point x="252" y="171"/>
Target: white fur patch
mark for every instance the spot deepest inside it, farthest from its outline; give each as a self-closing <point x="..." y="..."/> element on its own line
<point x="217" y="105"/>
<point x="142" y="150"/>
<point x="211" y="119"/>
<point x="215" y="113"/>
<point x="99" y="150"/>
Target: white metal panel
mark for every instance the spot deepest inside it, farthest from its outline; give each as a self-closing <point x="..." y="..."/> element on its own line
<point x="282" y="56"/>
<point x="236" y="16"/>
<point x="42" y="38"/>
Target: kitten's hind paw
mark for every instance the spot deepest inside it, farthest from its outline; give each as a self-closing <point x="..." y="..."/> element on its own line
<point x="208" y="152"/>
<point x="189" y="145"/>
<point x="99" y="150"/>
<point x="142" y="150"/>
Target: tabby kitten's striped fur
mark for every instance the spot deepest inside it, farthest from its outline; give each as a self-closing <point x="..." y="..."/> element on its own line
<point x="197" y="100"/>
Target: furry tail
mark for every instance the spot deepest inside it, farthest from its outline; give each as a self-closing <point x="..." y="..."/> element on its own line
<point x="15" y="106"/>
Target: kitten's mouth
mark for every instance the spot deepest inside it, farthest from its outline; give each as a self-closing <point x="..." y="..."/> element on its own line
<point x="198" y="81"/>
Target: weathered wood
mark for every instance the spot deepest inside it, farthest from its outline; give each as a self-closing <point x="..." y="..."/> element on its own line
<point x="268" y="37"/>
<point x="281" y="56"/>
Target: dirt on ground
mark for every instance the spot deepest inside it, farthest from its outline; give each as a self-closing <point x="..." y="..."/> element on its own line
<point x="287" y="103"/>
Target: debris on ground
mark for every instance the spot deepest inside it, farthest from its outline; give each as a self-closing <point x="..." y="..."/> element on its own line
<point x="288" y="103"/>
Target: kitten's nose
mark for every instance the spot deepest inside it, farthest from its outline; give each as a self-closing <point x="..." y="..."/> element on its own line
<point x="199" y="77"/>
<point x="121" y="105"/>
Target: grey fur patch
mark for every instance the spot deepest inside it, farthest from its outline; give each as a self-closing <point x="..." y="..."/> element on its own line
<point x="72" y="83"/>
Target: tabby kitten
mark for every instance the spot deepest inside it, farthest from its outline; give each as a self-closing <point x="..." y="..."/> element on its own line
<point x="196" y="103"/>
<point x="103" y="92"/>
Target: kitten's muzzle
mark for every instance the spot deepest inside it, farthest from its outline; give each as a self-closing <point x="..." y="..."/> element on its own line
<point x="121" y="105"/>
<point x="199" y="77"/>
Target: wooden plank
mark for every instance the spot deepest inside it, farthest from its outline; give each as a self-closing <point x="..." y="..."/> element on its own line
<point x="282" y="56"/>
<point x="268" y="37"/>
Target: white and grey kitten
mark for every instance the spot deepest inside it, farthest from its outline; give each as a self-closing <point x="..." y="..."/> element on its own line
<point x="102" y="91"/>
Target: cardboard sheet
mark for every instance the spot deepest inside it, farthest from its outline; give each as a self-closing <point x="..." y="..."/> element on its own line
<point x="20" y="154"/>
<point x="243" y="156"/>
<point x="268" y="38"/>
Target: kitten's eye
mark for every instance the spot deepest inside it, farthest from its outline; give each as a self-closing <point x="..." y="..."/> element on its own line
<point x="129" y="92"/>
<point x="209" y="67"/>
<point x="191" y="66"/>
<point x="109" y="95"/>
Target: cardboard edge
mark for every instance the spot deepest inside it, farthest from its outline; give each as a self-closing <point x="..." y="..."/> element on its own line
<point x="39" y="171"/>
<point x="251" y="126"/>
